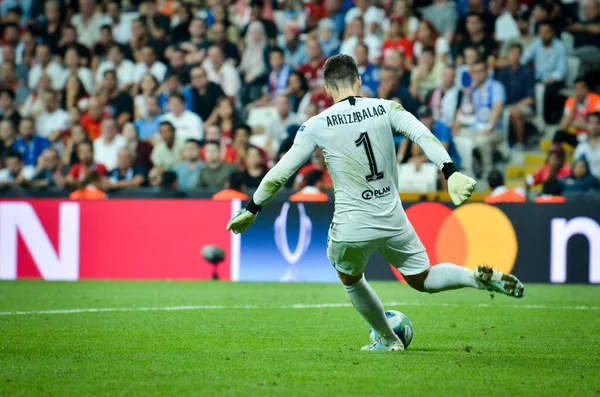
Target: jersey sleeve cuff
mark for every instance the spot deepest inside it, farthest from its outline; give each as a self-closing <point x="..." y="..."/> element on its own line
<point x="448" y="169"/>
<point x="252" y="207"/>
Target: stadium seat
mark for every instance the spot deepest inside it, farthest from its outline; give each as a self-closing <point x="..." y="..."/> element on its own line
<point x="465" y="146"/>
<point x="422" y="181"/>
<point x="260" y="117"/>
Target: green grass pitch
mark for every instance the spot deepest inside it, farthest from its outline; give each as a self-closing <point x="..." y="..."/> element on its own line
<point x="221" y="339"/>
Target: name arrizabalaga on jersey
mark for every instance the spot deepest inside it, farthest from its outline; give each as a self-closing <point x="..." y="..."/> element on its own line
<point x="355" y="117"/>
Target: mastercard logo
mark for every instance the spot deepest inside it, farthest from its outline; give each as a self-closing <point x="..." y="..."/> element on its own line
<point x="471" y="235"/>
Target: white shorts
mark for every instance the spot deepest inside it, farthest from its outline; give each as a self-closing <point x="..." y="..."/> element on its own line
<point x="404" y="251"/>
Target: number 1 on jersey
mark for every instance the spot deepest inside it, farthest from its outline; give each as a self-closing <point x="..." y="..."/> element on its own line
<point x="364" y="139"/>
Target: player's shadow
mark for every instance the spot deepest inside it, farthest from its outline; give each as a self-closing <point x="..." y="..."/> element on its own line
<point x="430" y="349"/>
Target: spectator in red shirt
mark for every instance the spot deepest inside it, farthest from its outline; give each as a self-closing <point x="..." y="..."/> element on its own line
<point x="317" y="163"/>
<point x="397" y="41"/>
<point x="93" y="118"/>
<point x="142" y="149"/>
<point x="313" y="69"/>
<point x="555" y="167"/>
<point x="577" y="108"/>
<point x="78" y="172"/>
<point x="228" y="153"/>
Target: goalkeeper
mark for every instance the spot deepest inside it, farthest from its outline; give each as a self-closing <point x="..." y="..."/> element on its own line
<point x="356" y="137"/>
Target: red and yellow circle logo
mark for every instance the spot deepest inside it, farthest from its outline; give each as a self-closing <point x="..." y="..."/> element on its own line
<point x="471" y="235"/>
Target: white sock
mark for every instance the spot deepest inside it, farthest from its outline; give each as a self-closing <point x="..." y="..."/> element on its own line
<point x="446" y="276"/>
<point x="368" y="304"/>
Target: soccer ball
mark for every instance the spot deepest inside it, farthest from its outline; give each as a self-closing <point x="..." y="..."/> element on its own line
<point x="400" y="324"/>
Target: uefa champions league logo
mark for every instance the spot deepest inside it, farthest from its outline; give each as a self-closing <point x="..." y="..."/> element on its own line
<point x="282" y="243"/>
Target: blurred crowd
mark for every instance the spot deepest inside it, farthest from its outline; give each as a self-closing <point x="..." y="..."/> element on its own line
<point x="121" y="94"/>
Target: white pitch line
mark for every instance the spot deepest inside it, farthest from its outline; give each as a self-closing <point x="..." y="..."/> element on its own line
<point x="295" y="306"/>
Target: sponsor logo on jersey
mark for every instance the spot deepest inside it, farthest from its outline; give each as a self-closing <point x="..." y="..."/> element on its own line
<point x="355" y="117"/>
<point x="369" y="194"/>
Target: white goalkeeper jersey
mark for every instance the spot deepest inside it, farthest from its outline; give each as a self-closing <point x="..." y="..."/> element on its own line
<point x="356" y="137"/>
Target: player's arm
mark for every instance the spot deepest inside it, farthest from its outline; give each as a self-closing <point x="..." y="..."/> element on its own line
<point x="298" y="155"/>
<point x="460" y="186"/>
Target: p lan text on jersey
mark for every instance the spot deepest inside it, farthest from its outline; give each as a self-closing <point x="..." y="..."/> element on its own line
<point x="355" y="117"/>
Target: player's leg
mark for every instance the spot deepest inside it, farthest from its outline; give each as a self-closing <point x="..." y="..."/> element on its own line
<point x="349" y="259"/>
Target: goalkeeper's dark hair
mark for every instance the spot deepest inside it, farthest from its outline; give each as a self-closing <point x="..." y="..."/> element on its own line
<point x="340" y="71"/>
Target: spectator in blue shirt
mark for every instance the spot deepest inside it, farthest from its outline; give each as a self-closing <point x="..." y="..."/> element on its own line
<point x="368" y="72"/>
<point x="127" y="174"/>
<point x="188" y="170"/>
<point x="328" y="37"/>
<point x="549" y="57"/>
<point x="519" y="83"/>
<point x="441" y="132"/>
<point x="148" y="127"/>
<point x="29" y="145"/>
<point x="294" y="50"/>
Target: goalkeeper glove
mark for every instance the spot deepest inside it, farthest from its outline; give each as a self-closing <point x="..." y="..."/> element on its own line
<point x="241" y="220"/>
<point x="460" y="186"/>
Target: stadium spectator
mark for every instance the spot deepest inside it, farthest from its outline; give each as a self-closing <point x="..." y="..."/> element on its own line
<point x="147" y="88"/>
<point x="551" y="192"/>
<point x="7" y="107"/>
<point x="197" y="43"/>
<point x="276" y="130"/>
<point x="168" y="151"/>
<point x="149" y="64"/>
<point x="254" y="167"/>
<point x="225" y="117"/>
<point x="121" y="27"/>
<point x="298" y="92"/>
<point x="126" y="175"/>
<point x="53" y="120"/>
<point x="8" y="136"/>
<point x="69" y="40"/>
<point x="16" y="172"/>
<point x="395" y="60"/>
<point x="550" y="60"/>
<point x="590" y="149"/>
<point x="442" y="15"/>
<point x="403" y="11"/>
<point x="177" y="66"/>
<point x="441" y="131"/>
<point x="8" y="80"/>
<point x="502" y="194"/>
<point x="44" y="65"/>
<point x="51" y="173"/>
<point x="328" y="38"/>
<point x="444" y="100"/>
<point x="49" y="25"/>
<point x="279" y="75"/>
<point x="586" y="32"/>
<point x="364" y="10"/>
<point x="88" y="22"/>
<point x="215" y="173"/>
<point x="478" y="38"/>
<point x="181" y="31"/>
<point x="188" y="125"/>
<point x="241" y="141"/>
<point x="92" y="119"/>
<point x="368" y="72"/>
<point x="257" y="14"/>
<point x="356" y="34"/>
<point x="480" y="114"/>
<point x="116" y="61"/>
<point x="389" y="89"/>
<point x="518" y="82"/>
<point x="100" y="49"/>
<point x="555" y="167"/>
<point x="525" y="37"/>
<point x="577" y="108"/>
<point x="9" y="55"/>
<point x="85" y="154"/>
<point x="235" y="189"/>
<point x="90" y="187"/>
<point x="218" y="37"/>
<point x="107" y="146"/>
<point x="202" y="95"/>
<point x="253" y="66"/>
<point x="76" y="135"/>
<point x="317" y="163"/>
<point x="34" y="104"/>
<point x="228" y="153"/>
<point x="294" y="50"/>
<point x="28" y="144"/>
<point x="428" y="36"/>
<point x="313" y="69"/>
<point x="120" y="102"/>
<point x="312" y="191"/>
<point x="74" y="94"/>
<point x="158" y="24"/>
<point x="396" y="40"/>
<point x="221" y="72"/>
<point x="188" y="170"/>
<point x="141" y="150"/>
<point x="581" y="180"/>
<point x="426" y="76"/>
<point x="148" y="125"/>
<point x="506" y="24"/>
